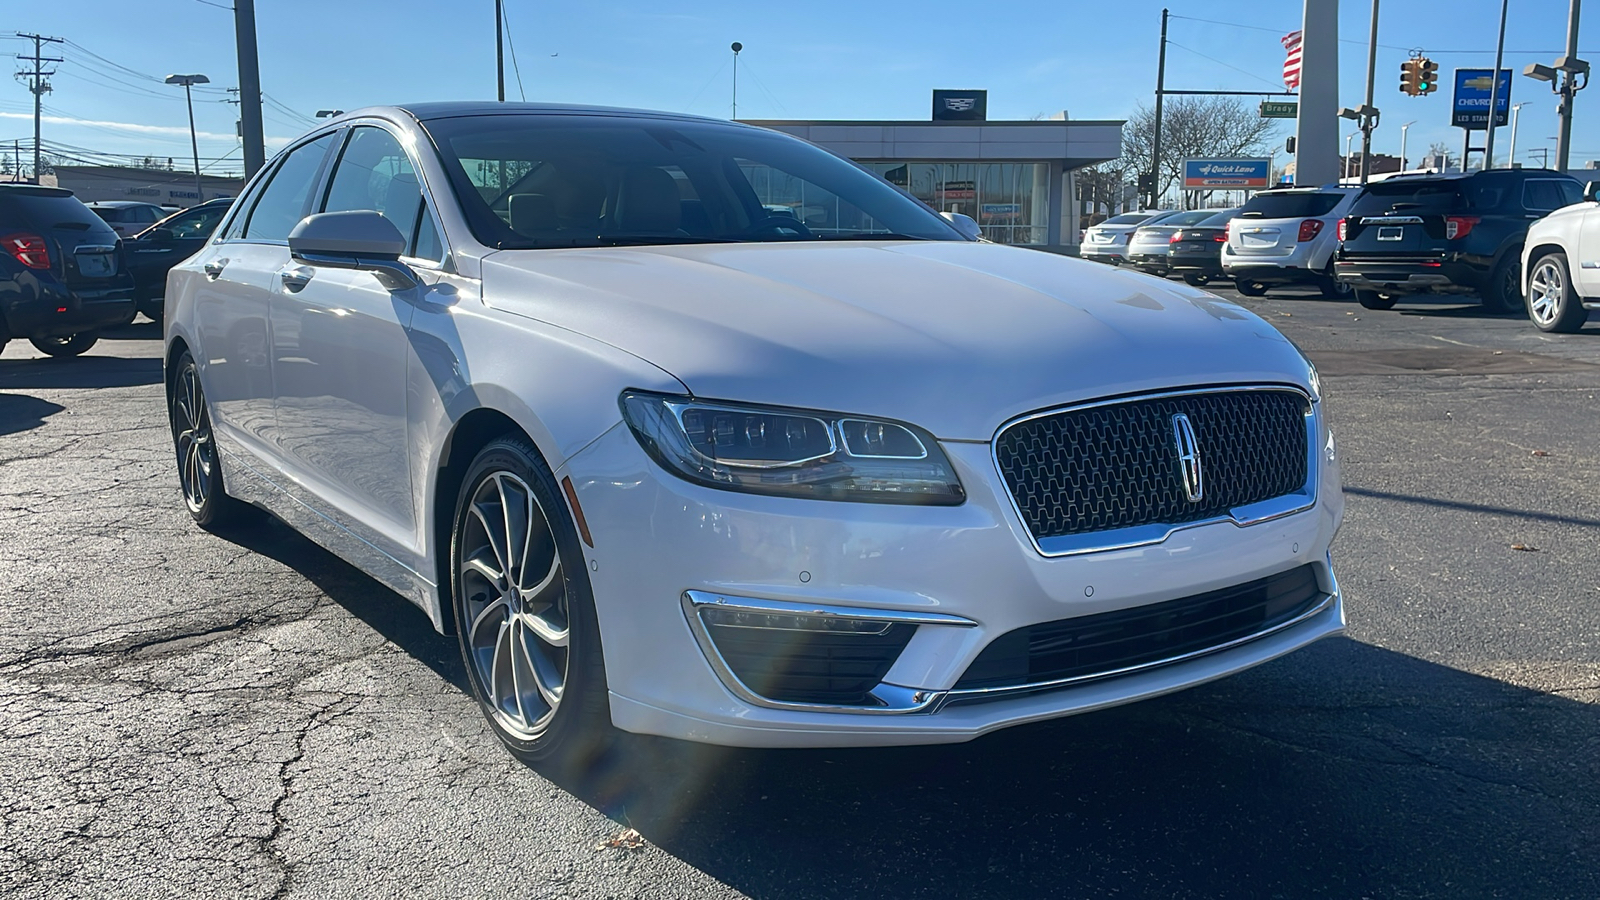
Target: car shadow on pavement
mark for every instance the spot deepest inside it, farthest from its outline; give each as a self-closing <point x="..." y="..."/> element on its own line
<point x="20" y="412"/>
<point x="80" y="372"/>
<point x="381" y="609"/>
<point x="141" y="329"/>
<point x="1345" y="770"/>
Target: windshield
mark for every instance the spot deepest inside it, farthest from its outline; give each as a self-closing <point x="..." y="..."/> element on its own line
<point x="539" y="181"/>
<point x="1127" y="219"/>
<point x="1409" y="196"/>
<point x="1193" y="217"/>
<point x="1290" y="206"/>
<point x="1220" y="218"/>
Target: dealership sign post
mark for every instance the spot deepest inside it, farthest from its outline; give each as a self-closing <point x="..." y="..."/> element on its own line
<point x="1226" y="174"/>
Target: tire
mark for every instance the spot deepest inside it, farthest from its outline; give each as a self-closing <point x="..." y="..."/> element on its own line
<point x="1196" y="279"/>
<point x="194" y="444"/>
<point x="1251" y="288"/>
<point x="1502" y="292"/>
<point x="1374" y="300"/>
<point x="1553" y="304"/>
<point x="66" y="345"/>
<point x="1334" y="289"/>
<point x="544" y="701"/>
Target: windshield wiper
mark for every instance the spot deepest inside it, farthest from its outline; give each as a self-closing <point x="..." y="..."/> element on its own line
<point x="622" y="240"/>
<point x="871" y="236"/>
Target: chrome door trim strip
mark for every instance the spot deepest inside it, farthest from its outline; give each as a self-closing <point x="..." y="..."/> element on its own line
<point x="1157" y="532"/>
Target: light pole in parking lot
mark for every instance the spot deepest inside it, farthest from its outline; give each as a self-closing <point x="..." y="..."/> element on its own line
<point x="188" y="82"/>
<point x="1403" y="142"/>
<point x="1511" y="156"/>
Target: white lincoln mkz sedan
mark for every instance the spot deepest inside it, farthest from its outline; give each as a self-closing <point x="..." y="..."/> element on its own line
<point x="693" y="429"/>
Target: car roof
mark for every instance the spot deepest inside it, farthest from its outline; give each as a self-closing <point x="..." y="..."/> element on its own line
<point x="118" y="204"/>
<point x="426" y="111"/>
<point x="35" y="189"/>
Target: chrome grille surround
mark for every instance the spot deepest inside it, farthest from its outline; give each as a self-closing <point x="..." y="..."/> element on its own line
<point x="1297" y="499"/>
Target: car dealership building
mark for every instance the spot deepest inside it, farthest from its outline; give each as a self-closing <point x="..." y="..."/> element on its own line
<point x="1014" y="178"/>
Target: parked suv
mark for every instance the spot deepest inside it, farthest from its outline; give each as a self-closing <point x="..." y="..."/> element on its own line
<point x="1285" y="237"/>
<point x="168" y="242"/>
<point x="1447" y="234"/>
<point x="1108" y="241"/>
<point x="62" y="273"/>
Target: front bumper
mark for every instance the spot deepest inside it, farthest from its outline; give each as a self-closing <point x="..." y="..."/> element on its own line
<point x="969" y="573"/>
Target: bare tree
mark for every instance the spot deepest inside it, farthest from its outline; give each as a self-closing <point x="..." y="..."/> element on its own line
<point x="1440" y="148"/>
<point x="1194" y="126"/>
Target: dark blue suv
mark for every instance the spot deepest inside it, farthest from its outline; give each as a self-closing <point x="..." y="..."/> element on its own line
<point x="1446" y="234"/>
<point x="63" y="273"/>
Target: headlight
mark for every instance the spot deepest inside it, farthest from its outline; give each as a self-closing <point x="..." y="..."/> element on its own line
<point x="792" y="452"/>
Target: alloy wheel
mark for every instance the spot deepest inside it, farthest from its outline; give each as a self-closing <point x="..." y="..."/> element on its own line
<point x="515" y="602"/>
<point x="1545" y="290"/>
<point x="191" y="427"/>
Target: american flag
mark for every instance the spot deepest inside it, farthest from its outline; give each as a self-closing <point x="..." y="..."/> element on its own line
<point x="1291" y="65"/>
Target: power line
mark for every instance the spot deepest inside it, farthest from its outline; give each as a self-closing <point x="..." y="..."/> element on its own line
<point x="1172" y="43"/>
<point x="1431" y="51"/>
<point x="39" y="87"/>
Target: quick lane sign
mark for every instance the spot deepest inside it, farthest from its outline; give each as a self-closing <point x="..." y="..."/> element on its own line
<point x="1470" y="108"/>
<point x="1200" y="174"/>
<point x="1280" y="109"/>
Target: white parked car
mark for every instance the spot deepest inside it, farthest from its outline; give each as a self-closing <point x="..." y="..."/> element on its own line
<point x="1559" y="295"/>
<point x="667" y="461"/>
<point x="1107" y="242"/>
<point x="1287" y="237"/>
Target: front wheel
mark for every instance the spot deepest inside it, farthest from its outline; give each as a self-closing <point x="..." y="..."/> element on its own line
<point x="524" y="613"/>
<point x="1553" y="303"/>
<point x="65" y="345"/>
<point x="1374" y="300"/>
<point x="1251" y="288"/>
<point x="1196" y="279"/>
<point x="199" y="470"/>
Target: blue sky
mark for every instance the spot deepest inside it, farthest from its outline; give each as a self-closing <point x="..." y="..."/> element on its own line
<point x="819" y="59"/>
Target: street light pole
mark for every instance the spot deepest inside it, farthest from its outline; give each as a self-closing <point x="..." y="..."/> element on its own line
<point x="735" y="47"/>
<point x="1511" y="157"/>
<point x="1347" y="139"/>
<point x="1569" y="89"/>
<point x="1403" y="143"/>
<point x="189" y="81"/>
<point x="499" y="53"/>
<point x="1494" y="90"/>
<point x="1368" y="118"/>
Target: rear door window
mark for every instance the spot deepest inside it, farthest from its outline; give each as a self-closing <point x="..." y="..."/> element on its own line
<point x="284" y="201"/>
<point x="1545" y="194"/>
<point x="1300" y="205"/>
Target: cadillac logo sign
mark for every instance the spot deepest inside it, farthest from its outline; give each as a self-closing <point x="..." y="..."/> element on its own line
<point x="1188" y="458"/>
<point x="970" y="106"/>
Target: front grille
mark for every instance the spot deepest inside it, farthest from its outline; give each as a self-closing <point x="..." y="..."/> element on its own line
<point x="794" y="666"/>
<point x="1116" y="465"/>
<point x="1109" y="642"/>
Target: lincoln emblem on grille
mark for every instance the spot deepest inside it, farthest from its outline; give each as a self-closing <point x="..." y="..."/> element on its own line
<point x="1188" y="457"/>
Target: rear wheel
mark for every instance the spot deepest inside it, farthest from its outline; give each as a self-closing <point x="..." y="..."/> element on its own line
<point x="524" y="612"/>
<point x="65" y="345"/>
<point x="1196" y="279"/>
<point x="1334" y="289"/>
<point x="1553" y="303"/>
<point x="1374" y="300"/>
<point x="1251" y="288"/>
<point x="1502" y="293"/>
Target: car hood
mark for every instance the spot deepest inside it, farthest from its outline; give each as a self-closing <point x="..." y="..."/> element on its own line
<point x="954" y="337"/>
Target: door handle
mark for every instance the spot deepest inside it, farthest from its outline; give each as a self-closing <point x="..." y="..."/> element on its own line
<point x="295" y="279"/>
<point x="214" y="268"/>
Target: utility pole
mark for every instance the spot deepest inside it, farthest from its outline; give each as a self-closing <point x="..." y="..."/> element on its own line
<point x="1568" y="89"/>
<point x="499" y="51"/>
<point x="1161" y="90"/>
<point x="39" y="87"/>
<point x="244" y="31"/>
<point x="1369" y="115"/>
<point x="1494" y="91"/>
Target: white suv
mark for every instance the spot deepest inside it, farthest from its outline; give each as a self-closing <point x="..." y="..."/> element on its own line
<point x="1287" y="237"/>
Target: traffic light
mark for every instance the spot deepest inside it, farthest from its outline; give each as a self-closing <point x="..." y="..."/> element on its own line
<point x="1411" y="77"/>
<point x="1427" y="76"/>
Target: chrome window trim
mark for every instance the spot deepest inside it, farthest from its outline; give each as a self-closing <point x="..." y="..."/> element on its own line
<point x="407" y="145"/>
<point x="896" y="700"/>
<point x="973" y="695"/>
<point x="1157" y="532"/>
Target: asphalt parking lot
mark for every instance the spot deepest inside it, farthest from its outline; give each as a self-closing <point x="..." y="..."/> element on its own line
<point x="243" y="715"/>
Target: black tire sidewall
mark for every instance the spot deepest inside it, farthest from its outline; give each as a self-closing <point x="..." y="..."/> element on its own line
<point x="1251" y="288"/>
<point x="75" y="345"/>
<point x="1374" y="300"/>
<point x="580" y="726"/>
<point x="1499" y="295"/>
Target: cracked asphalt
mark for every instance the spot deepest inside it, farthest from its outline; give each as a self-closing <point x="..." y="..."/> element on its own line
<point x="243" y="715"/>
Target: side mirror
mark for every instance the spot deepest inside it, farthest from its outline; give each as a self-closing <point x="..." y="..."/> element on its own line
<point x="163" y="235"/>
<point x="356" y="239"/>
<point x="964" y="224"/>
<point x="1591" y="191"/>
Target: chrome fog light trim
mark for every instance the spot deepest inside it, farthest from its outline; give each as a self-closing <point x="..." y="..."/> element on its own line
<point x="705" y="609"/>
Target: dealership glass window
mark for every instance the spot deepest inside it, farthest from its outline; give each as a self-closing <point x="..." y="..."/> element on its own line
<point x="1009" y="201"/>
